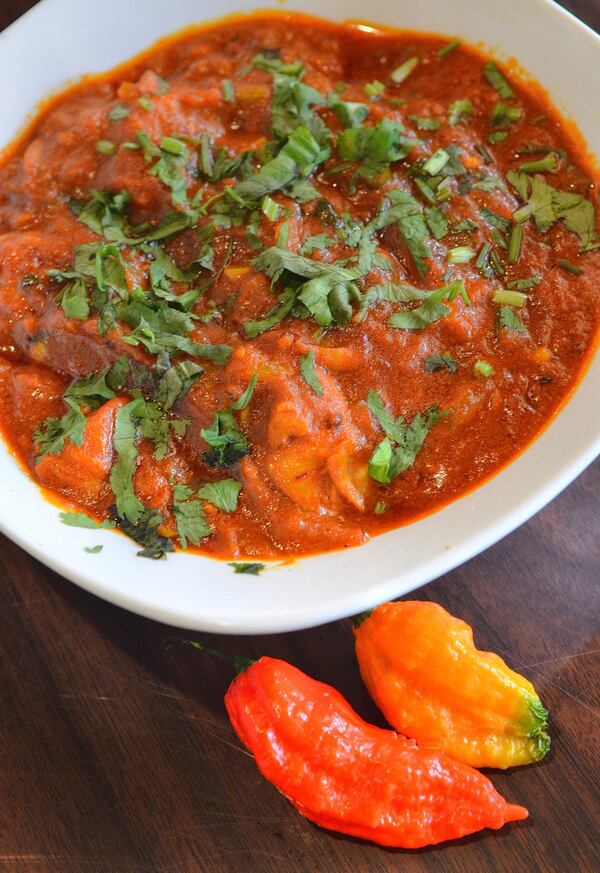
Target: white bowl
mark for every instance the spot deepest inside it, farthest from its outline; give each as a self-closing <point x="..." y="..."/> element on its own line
<point x="61" y="39"/>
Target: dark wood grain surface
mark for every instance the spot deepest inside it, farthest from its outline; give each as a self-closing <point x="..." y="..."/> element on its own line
<point x="116" y="755"/>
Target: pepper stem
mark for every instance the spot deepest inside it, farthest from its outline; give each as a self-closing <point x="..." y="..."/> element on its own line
<point x="239" y="663"/>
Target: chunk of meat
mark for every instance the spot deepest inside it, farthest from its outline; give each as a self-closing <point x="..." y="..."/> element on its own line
<point x="81" y="472"/>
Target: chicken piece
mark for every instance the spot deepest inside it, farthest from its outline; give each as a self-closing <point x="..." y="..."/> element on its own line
<point x="81" y="472"/>
<point x="311" y="438"/>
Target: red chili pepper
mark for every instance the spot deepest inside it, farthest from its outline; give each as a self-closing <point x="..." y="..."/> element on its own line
<point x="349" y="776"/>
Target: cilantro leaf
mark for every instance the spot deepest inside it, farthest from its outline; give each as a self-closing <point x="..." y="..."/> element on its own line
<point x="407" y="214"/>
<point x="145" y="532"/>
<point x="316" y="243"/>
<point x="128" y="505"/>
<point x="307" y="369"/>
<point x="399" y="449"/>
<point x="509" y="320"/>
<point x="245" y="398"/>
<point x="79" y="519"/>
<point x="53" y="433"/>
<point x="350" y="114"/>
<point x="176" y="382"/>
<point x="440" y="362"/>
<point x="74" y="300"/>
<point x="390" y="292"/>
<point x="432" y="309"/>
<point x="227" y="442"/>
<point x="297" y="158"/>
<point x="546" y="205"/>
<point x="223" y="494"/>
<point x="250" y="569"/>
<point x="189" y="515"/>
<point x="374" y="148"/>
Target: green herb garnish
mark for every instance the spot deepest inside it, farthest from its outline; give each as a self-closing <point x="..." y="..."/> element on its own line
<point x="307" y="370"/>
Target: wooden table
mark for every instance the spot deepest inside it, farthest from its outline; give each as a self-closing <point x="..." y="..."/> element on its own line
<point x="116" y="755"/>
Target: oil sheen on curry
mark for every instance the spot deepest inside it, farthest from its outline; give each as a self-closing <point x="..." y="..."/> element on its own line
<point x="279" y="285"/>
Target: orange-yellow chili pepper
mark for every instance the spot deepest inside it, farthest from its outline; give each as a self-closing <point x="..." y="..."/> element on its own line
<point x="422" y="669"/>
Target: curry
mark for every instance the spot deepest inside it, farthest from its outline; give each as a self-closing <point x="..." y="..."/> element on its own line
<point x="279" y="285"/>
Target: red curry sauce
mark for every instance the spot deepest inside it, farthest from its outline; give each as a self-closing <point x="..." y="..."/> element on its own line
<point x="268" y="321"/>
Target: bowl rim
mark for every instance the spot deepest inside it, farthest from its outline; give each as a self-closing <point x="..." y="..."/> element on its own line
<point x="272" y="621"/>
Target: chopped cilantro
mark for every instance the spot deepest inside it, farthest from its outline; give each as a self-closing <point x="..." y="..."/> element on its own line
<point x="375" y="148"/>
<point x="222" y="494"/>
<point x="145" y="532"/>
<point x="189" y="515"/>
<point x="509" y="320"/>
<point x="79" y="519"/>
<point x="228" y="92"/>
<point x="350" y="114"/>
<point x="307" y="370"/>
<point x="248" y="568"/>
<point x="440" y="362"/>
<point x="399" y="449"/>
<point x="93" y="550"/>
<point x="316" y="243"/>
<point x="432" y="309"/>
<point x="436" y="222"/>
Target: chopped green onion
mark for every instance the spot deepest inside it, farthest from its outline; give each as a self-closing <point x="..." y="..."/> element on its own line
<point x="145" y="103"/>
<point x="458" y="110"/>
<point x="404" y="70"/>
<point x="172" y="146"/>
<point x="270" y="208"/>
<point x="448" y="48"/>
<point x="514" y="243"/>
<point x="380" y="507"/>
<point x="436" y="162"/>
<point x="503" y="115"/>
<point x="228" y="92"/>
<point x="374" y="89"/>
<point x="510" y="298"/>
<point x="482" y="369"/>
<point x="497" y="136"/>
<point x="569" y="267"/>
<point x="492" y="73"/>
<point x="543" y="165"/>
<point x="522" y="214"/>
<point x="460" y="255"/>
<point x="523" y="284"/>
<point x="105" y="147"/>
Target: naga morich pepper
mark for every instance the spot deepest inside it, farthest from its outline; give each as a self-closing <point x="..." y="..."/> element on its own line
<point x="346" y="775"/>
<point x="422" y="669"/>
